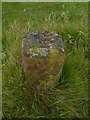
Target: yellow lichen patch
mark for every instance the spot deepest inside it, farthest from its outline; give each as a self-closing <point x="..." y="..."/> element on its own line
<point x="51" y="60"/>
<point x="29" y="59"/>
<point x="56" y="51"/>
<point x="51" y="77"/>
<point x="52" y="68"/>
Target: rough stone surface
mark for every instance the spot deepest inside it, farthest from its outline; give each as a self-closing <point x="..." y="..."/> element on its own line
<point x="43" y="57"/>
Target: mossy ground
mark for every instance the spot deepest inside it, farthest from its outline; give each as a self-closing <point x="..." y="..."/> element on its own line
<point x="70" y="97"/>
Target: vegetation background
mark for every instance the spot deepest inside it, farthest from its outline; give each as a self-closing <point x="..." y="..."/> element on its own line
<point x="69" y="99"/>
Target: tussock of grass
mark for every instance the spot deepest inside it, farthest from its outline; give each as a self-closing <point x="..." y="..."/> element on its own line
<point x="70" y="97"/>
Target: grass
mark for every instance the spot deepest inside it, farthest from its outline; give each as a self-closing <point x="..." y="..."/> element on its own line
<point x="69" y="99"/>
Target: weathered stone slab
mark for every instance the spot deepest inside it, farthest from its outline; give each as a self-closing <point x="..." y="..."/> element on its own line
<point x="43" y="57"/>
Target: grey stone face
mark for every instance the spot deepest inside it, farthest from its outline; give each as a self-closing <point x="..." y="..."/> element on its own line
<point x="43" y="56"/>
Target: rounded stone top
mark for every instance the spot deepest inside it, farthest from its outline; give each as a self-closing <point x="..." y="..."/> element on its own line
<point x="43" y="40"/>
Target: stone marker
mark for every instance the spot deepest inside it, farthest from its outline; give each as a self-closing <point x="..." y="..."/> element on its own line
<point x="42" y="57"/>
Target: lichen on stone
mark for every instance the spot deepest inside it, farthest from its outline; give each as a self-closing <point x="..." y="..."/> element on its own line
<point x="43" y="56"/>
